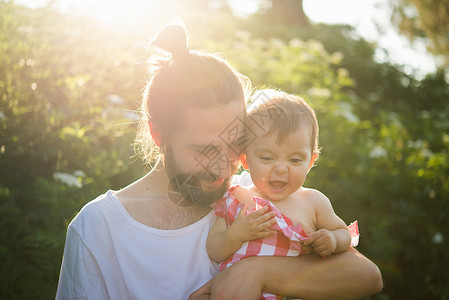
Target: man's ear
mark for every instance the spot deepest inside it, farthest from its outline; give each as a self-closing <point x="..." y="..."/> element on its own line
<point x="155" y="133"/>
<point x="312" y="160"/>
<point x="243" y="161"/>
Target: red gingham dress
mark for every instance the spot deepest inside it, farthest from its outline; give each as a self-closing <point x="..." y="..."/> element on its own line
<point x="286" y="241"/>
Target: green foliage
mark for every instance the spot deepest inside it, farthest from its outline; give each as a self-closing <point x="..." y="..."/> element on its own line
<point x="428" y="19"/>
<point x="64" y="138"/>
<point x="58" y="133"/>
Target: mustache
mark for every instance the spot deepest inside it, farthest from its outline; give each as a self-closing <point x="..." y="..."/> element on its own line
<point x="209" y="176"/>
<point x="185" y="189"/>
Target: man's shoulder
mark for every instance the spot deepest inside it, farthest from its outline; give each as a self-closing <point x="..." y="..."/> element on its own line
<point x="98" y="204"/>
<point x="94" y="210"/>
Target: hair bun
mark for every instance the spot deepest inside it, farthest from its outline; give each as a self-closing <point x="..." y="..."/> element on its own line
<point x="172" y="38"/>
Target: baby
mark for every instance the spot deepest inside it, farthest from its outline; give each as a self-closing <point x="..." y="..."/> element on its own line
<point x="277" y="216"/>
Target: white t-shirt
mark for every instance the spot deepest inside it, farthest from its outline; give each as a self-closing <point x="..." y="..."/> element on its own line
<point x="109" y="255"/>
<point x="244" y="179"/>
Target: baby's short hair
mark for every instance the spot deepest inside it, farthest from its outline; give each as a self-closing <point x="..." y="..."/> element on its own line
<point x="276" y="112"/>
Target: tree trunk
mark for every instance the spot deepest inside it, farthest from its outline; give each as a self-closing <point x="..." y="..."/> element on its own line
<point x="289" y="12"/>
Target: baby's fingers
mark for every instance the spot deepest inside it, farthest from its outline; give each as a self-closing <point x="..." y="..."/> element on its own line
<point x="257" y="213"/>
<point x="265" y="234"/>
<point x="323" y="250"/>
<point x="265" y="217"/>
<point x="311" y="239"/>
<point x="266" y="223"/>
<point x="307" y="248"/>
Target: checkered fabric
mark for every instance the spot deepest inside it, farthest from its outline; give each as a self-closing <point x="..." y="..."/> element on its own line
<point x="354" y="231"/>
<point x="286" y="241"/>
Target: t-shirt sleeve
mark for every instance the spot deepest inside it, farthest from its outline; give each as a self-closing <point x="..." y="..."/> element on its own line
<point x="80" y="276"/>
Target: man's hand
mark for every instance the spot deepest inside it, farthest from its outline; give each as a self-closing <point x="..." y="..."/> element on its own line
<point x="239" y="281"/>
<point x="323" y="242"/>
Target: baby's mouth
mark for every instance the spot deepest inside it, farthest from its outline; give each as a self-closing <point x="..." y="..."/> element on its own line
<point x="277" y="185"/>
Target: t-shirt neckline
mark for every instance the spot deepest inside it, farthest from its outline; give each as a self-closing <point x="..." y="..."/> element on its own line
<point x="164" y="232"/>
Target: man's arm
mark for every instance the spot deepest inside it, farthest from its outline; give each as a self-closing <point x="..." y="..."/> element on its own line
<point x="348" y="275"/>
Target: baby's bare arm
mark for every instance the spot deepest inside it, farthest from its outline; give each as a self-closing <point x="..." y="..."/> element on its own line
<point x="332" y="235"/>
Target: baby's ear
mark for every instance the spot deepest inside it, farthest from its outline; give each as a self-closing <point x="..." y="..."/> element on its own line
<point x="312" y="160"/>
<point x="243" y="161"/>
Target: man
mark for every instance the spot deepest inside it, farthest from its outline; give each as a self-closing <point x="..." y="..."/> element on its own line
<point x="147" y="241"/>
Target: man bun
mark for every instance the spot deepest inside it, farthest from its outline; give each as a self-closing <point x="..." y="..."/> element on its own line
<point x="173" y="39"/>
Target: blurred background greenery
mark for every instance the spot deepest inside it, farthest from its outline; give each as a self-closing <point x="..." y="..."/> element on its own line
<point x="70" y="85"/>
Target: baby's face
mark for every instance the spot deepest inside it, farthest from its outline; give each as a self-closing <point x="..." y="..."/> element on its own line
<point x="278" y="170"/>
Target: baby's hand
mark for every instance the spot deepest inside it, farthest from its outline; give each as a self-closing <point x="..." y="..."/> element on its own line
<point x="253" y="226"/>
<point x="323" y="242"/>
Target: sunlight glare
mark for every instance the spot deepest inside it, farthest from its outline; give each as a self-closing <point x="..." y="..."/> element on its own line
<point x="105" y="10"/>
<point x="100" y="9"/>
<point x="244" y="8"/>
<point x="370" y="19"/>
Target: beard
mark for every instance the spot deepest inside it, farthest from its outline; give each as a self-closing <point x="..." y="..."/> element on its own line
<point x="184" y="189"/>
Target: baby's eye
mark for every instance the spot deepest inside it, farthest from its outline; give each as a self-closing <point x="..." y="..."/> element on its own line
<point x="266" y="158"/>
<point x="296" y="160"/>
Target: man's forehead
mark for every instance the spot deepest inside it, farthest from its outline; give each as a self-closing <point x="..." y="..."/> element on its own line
<point x="216" y="113"/>
<point x="210" y="128"/>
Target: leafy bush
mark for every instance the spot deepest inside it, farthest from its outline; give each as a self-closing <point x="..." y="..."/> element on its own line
<point x="61" y="142"/>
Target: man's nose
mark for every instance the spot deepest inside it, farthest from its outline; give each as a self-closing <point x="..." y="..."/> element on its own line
<point x="222" y="166"/>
